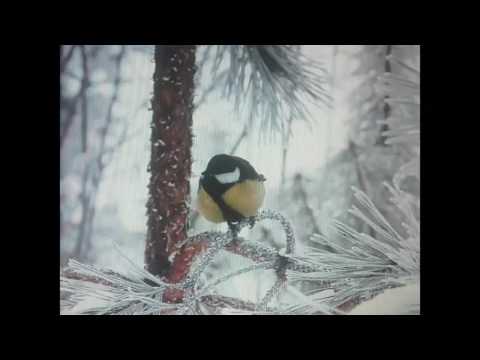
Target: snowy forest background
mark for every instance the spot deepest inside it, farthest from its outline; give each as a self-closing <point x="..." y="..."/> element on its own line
<point x="346" y="177"/>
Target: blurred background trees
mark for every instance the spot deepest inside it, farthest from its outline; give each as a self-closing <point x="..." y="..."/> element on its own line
<point x="95" y="123"/>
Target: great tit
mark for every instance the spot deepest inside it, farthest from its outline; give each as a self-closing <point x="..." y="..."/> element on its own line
<point x="230" y="190"/>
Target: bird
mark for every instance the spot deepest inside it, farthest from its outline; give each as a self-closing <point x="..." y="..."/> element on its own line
<point x="230" y="190"/>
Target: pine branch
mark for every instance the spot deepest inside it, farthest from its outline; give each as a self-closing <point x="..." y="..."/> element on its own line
<point x="362" y="266"/>
<point x="273" y="82"/>
<point x="180" y="284"/>
<point x="355" y="272"/>
<point x="214" y="302"/>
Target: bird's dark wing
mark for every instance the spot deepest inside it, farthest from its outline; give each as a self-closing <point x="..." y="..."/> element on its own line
<point x="215" y="190"/>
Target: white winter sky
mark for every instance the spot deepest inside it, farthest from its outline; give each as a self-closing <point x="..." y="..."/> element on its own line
<point x="125" y="180"/>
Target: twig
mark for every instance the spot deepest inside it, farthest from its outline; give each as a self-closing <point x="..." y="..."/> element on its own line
<point x="286" y="141"/>
<point x="71" y="104"/>
<point x="304" y="199"/>
<point x="84" y="112"/>
<point x="213" y="86"/>
<point x="360" y="174"/>
<point x="66" y="59"/>
<point x="109" y="118"/>
<point x="239" y="140"/>
<point x="271" y="293"/>
<point x="386" y="106"/>
<point x="219" y="301"/>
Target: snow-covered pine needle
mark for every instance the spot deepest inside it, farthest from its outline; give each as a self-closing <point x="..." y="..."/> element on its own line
<point x="98" y="291"/>
<point x="274" y="82"/>
<point x="363" y="266"/>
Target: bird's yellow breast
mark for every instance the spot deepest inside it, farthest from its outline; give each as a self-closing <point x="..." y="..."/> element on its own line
<point x="245" y="197"/>
<point x="208" y="208"/>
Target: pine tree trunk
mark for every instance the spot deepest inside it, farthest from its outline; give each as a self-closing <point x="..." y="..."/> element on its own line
<point x="170" y="162"/>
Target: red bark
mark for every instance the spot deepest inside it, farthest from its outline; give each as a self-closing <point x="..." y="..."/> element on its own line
<point x="180" y="268"/>
<point x="170" y="163"/>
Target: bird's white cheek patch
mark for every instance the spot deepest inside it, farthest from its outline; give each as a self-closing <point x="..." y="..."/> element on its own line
<point x="229" y="177"/>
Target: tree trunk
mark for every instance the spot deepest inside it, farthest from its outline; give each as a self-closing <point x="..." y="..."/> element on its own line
<point x="93" y="171"/>
<point x="170" y="162"/>
<point x="78" y="252"/>
<point x="285" y="145"/>
<point x="386" y="107"/>
<point x="71" y="103"/>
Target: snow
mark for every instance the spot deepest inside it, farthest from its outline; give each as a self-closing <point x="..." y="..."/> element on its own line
<point x="397" y="301"/>
<point x="88" y="302"/>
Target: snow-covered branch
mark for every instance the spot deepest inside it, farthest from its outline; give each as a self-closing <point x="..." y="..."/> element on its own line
<point x="360" y="268"/>
<point x="364" y="269"/>
<point x="179" y="291"/>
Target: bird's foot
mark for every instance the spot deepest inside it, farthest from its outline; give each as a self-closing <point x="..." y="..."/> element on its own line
<point x="234" y="228"/>
<point x="251" y="221"/>
<point x="281" y="267"/>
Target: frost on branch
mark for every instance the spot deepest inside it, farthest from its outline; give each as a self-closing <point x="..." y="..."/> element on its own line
<point x="356" y="270"/>
<point x="361" y="266"/>
<point x="99" y="291"/>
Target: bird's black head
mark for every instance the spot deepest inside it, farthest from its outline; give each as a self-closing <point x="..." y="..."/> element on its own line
<point x="221" y="164"/>
<point x="233" y="167"/>
<point x="223" y="171"/>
